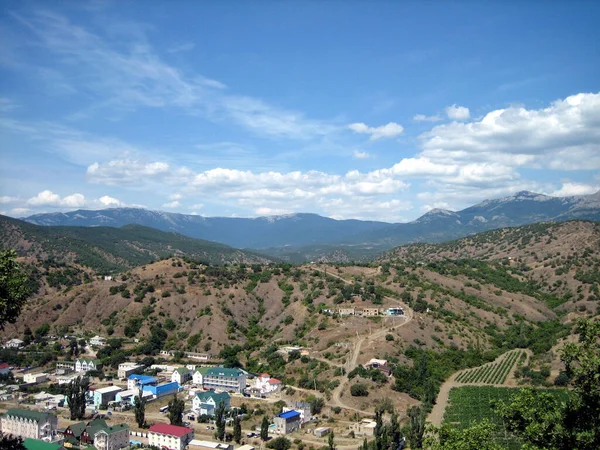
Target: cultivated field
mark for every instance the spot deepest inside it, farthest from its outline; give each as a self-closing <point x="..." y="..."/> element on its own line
<point x="492" y="373"/>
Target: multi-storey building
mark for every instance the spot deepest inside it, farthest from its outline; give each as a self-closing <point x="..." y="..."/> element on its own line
<point x="29" y="424"/>
<point x="225" y="379"/>
<point x="170" y="436"/>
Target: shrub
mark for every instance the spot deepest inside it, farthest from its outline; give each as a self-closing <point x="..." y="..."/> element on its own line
<point x="359" y="390"/>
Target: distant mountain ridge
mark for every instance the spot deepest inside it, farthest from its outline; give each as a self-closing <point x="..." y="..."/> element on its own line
<point x="309" y="236"/>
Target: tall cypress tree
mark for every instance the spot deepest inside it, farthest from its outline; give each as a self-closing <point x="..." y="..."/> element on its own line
<point x="139" y="408"/>
<point x="220" y="421"/>
<point x="237" y="429"/>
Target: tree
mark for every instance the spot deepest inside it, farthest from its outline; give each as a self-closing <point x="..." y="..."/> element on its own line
<point x="280" y="443"/>
<point x="139" y="408"/>
<point x="11" y="443"/>
<point x="476" y="437"/>
<point x="359" y="390"/>
<point x="76" y="393"/>
<point x="330" y="441"/>
<point x="237" y="429"/>
<point x="316" y="404"/>
<point x="542" y="421"/>
<point x="416" y="426"/>
<point x="176" y="407"/>
<point x="264" y="429"/>
<point x="14" y="288"/>
<point x="220" y="421"/>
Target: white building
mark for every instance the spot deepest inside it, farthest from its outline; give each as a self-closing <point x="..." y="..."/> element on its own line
<point x="128" y="368"/>
<point x="198" y="377"/>
<point x="98" y="341"/>
<point x="85" y="364"/>
<point x="105" y="395"/>
<point x="181" y="375"/>
<point x="170" y="436"/>
<point x="266" y="384"/>
<point x="14" y="343"/>
<point x="206" y="402"/>
<point x="196" y="444"/>
<point x="35" y="378"/>
<point x="225" y="379"/>
<point x="29" y="424"/>
<point x="112" y="438"/>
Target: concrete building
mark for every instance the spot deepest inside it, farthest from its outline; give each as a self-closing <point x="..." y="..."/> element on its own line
<point x="29" y="424"/>
<point x="265" y="384"/>
<point x="112" y="438"/>
<point x="302" y="407"/>
<point x="196" y="444"/>
<point x="135" y="381"/>
<point x="35" y="378"/>
<point x="182" y="375"/>
<point x="287" y="422"/>
<point x="14" y="343"/>
<point x="163" y="389"/>
<point x="322" y="431"/>
<point x="128" y="368"/>
<point x="365" y="427"/>
<point x="97" y="433"/>
<point x="105" y="395"/>
<point x="370" y="312"/>
<point x="64" y="367"/>
<point x="206" y="402"/>
<point x="170" y="436"/>
<point x="130" y="395"/>
<point x="85" y="364"/>
<point x="98" y="341"/>
<point x="225" y="379"/>
<point x="198" y="377"/>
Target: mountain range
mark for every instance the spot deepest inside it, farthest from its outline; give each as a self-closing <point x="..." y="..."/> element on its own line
<point x="301" y="237"/>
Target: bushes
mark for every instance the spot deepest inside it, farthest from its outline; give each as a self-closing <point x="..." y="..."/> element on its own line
<point x="359" y="390"/>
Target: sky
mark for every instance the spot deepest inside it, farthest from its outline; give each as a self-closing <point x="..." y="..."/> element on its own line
<point x="373" y="110"/>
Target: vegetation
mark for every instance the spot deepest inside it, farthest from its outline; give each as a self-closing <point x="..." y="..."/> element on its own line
<point x="76" y="393"/>
<point x="175" y="411"/>
<point x="139" y="409"/>
<point x="493" y="373"/>
<point x="14" y="288"/>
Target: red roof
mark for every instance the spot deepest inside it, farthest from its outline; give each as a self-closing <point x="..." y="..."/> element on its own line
<point x="265" y="375"/>
<point x="171" y="430"/>
<point x="274" y="381"/>
<point x="4" y="366"/>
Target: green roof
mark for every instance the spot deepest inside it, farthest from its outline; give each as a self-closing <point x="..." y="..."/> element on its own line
<point x="224" y="372"/>
<point x="77" y="428"/>
<point x="202" y="370"/>
<point x="28" y="414"/>
<point x="182" y="370"/>
<point x="115" y="428"/>
<point x="96" y="425"/>
<point x="217" y="398"/>
<point x="34" y="444"/>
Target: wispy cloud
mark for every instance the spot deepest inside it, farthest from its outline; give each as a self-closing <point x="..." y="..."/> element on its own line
<point x="389" y="130"/>
<point x="455" y="112"/>
<point x="424" y="118"/>
<point x="360" y="155"/>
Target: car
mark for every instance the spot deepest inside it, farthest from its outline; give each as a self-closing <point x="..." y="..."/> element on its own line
<point x="109" y="413"/>
<point x="187" y="424"/>
<point x="250" y="435"/>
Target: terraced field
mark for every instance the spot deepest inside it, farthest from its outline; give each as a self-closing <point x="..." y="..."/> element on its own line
<point x="470" y="404"/>
<point x="492" y="373"/>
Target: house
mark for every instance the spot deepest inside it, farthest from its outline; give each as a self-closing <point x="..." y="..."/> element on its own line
<point x="29" y="424"/>
<point x="35" y="378"/>
<point x="370" y="312"/>
<point x="97" y="433"/>
<point x="4" y="368"/>
<point x="395" y="311"/>
<point x="64" y="367"/>
<point x="112" y="438"/>
<point x="287" y="422"/>
<point x="196" y="444"/>
<point x="80" y="433"/>
<point x="198" y="377"/>
<point x="206" y="402"/>
<point x="65" y="379"/>
<point x="322" y="431"/>
<point x="265" y="384"/>
<point x="135" y="381"/>
<point x="346" y="311"/>
<point x="107" y="277"/>
<point x="97" y="341"/>
<point x="34" y="444"/>
<point x="14" y="343"/>
<point x="104" y="395"/>
<point x="85" y="365"/>
<point x="381" y="365"/>
<point x="302" y="407"/>
<point x="170" y="436"/>
<point x="225" y="379"/>
<point x="130" y="395"/>
<point x="162" y="389"/>
<point x="182" y="375"/>
<point x="365" y="427"/>
<point x="128" y="368"/>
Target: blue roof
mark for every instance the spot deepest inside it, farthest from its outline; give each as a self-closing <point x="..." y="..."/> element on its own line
<point x="289" y="414"/>
<point x="142" y="378"/>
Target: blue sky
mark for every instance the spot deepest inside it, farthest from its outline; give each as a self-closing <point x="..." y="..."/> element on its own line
<point x="370" y="110"/>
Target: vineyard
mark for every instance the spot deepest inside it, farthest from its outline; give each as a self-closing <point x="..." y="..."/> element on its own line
<point x="492" y="373"/>
<point x="470" y="404"/>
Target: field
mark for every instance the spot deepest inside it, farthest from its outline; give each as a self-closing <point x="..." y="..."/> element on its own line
<point x="492" y="373"/>
<point x="470" y="404"/>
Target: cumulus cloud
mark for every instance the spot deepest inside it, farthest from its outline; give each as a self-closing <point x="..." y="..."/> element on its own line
<point x="110" y="202"/>
<point x="173" y="204"/>
<point x="360" y="155"/>
<point x="568" y="189"/>
<point x="48" y="199"/>
<point x="389" y="130"/>
<point x="455" y="112"/>
<point x="424" y="118"/>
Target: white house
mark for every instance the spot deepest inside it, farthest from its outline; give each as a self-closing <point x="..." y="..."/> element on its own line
<point x="172" y="437"/>
<point x="266" y="384"/>
<point x="128" y="368"/>
<point x="85" y="364"/>
<point x="206" y="402"/>
<point x="198" y="377"/>
<point x="181" y="375"/>
<point x="35" y="377"/>
<point x="98" y="341"/>
<point x="112" y="438"/>
<point x="14" y="343"/>
<point x="29" y="424"/>
<point x="225" y="379"/>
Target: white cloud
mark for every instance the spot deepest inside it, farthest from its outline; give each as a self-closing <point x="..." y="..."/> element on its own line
<point x="175" y="197"/>
<point x="45" y="198"/>
<point x="424" y="118"/>
<point x="6" y="199"/>
<point x="110" y="202"/>
<point x="20" y="211"/>
<point x="458" y="112"/>
<point x="48" y="199"/>
<point x="389" y="130"/>
<point x="568" y="189"/>
<point x="173" y="204"/>
<point x="360" y="155"/>
<point x="197" y="206"/>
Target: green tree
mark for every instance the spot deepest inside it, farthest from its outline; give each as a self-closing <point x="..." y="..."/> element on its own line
<point x="316" y="404"/>
<point x="476" y="437"/>
<point x="11" y="443"/>
<point x="76" y="393"/>
<point x="542" y="421"/>
<point x="139" y="408"/>
<point x="237" y="429"/>
<point x="416" y="428"/>
<point x="359" y="390"/>
<point x="280" y="443"/>
<point x="264" y="429"/>
<point x="176" y="407"/>
<point x="330" y="441"/>
<point x="220" y="421"/>
<point x="14" y="288"/>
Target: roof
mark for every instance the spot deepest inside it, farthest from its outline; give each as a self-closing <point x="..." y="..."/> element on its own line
<point x="265" y="375"/>
<point x="182" y="370"/>
<point x="208" y="444"/>
<point x="88" y="360"/>
<point x="142" y="378"/>
<point x="289" y="415"/>
<point x="4" y="366"/>
<point x="96" y="425"/>
<point x="224" y="372"/>
<point x="274" y="381"/>
<point x="28" y="414"/>
<point x="171" y="430"/>
<point x="34" y="444"/>
<point x="202" y="370"/>
<point x="113" y="429"/>
<point x="107" y="389"/>
<point x="217" y="398"/>
<point x="77" y="428"/>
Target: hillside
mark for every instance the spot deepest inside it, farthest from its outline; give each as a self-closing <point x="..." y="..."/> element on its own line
<point x="308" y="237"/>
<point x="107" y="249"/>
